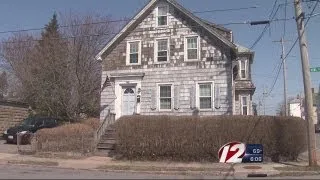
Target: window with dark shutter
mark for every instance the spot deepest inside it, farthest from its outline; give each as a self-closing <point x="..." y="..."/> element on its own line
<point x="165" y="97"/>
<point x="205" y="95"/>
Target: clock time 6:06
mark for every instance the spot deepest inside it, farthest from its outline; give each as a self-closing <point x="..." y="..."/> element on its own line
<point x="256" y="159"/>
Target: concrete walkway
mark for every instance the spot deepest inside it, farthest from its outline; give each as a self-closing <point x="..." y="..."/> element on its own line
<point x="108" y="164"/>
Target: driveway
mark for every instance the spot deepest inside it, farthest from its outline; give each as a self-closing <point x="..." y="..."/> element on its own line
<point x="8" y="148"/>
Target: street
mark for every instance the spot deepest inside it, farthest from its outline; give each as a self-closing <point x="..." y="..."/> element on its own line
<point x="37" y="172"/>
<point x="11" y="171"/>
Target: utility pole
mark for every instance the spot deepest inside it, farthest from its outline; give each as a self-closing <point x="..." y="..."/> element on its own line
<point x="285" y="99"/>
<point x="307" y="82"/>
<point x="264" y="94"/>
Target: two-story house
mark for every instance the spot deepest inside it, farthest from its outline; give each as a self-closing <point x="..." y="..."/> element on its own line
<point x="167" y="61"/>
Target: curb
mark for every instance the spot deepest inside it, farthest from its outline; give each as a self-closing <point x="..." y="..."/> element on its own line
<point x="182" y="172"/>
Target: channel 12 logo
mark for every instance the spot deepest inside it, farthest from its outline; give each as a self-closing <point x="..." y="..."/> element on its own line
<point x="237" y="152"/>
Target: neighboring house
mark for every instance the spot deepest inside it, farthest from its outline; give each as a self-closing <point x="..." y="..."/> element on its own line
<point x="167" y="61"/>
<point x="12" y="113"/>
<point x="296" y="107"/>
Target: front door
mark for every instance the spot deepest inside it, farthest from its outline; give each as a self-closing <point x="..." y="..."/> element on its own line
<point x="128" y="101"/>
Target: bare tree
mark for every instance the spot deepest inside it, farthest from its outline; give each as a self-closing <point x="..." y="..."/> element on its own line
<point x="59" y="75"/>
<point x="3" y="84"/>
<point x="89" y="34"/>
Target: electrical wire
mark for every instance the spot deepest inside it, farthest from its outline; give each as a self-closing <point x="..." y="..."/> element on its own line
<point x="285" y="17"/>
<point x="266" y="26"/>
<point x="293" y="45"/>
<point x="126" y="20"/>
<point x="135" y="31"/>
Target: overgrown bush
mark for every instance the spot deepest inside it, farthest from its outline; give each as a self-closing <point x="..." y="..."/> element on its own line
<point x="187" y="138"/>
<point x="75" y="137"/>
<point x="92" y="122"/>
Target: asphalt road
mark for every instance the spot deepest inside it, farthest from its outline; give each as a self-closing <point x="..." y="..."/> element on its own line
<point x="37" y="172"/>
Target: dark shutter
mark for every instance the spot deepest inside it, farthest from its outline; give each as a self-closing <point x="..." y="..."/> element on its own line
<point x="153" y="92"/>
<point x="176" y="97"/>
<point x="217" y="96"/>
<point x="193" y="96"/>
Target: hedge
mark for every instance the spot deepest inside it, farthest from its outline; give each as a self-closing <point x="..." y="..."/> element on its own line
<point x="187" y="138"/>
<point x="75" y="137"/>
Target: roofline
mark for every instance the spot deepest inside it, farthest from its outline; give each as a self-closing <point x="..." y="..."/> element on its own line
<point x="176" y="5"/>
<point x="198" y="20"/>
<point x="216" y="25"/>
<point x="147" y="6"/>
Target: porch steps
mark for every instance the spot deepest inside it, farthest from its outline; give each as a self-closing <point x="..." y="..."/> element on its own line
<point x="107" y="143"/>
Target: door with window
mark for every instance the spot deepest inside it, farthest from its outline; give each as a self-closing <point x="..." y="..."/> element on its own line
<point x="128" y="101"/>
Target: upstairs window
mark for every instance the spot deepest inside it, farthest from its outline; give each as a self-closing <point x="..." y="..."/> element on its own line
<point x="191" y="48"/>
<point x="244" y="105"/>
<point x="162" y="15"/>
<point x="133" y="52"/>
<point x="243" y="69"/>
<point x="162" y="50"/>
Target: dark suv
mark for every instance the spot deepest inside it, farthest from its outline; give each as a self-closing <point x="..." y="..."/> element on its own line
<point x="29" y="125"/>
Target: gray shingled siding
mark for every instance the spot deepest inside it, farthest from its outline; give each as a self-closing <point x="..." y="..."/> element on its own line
<point x="214" y="65"/>
<point x="185" y="78"/>
<point x="176" y="32"/>
<point x="107" y="97"/>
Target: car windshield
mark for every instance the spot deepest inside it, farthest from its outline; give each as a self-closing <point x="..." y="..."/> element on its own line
<point x="28" y="122"/>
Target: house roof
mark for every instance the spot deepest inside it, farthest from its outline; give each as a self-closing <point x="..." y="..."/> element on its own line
<point x="242" y="49"/>
<point x="213" y="25"/>
<point x="186" y="12"/>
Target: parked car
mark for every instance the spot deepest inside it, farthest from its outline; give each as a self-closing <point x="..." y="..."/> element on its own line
<point x="317" y="128"/>
<point x="27" y="126"/>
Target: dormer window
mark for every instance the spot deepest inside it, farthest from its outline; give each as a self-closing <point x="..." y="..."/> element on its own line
<point x="162" y="15"/>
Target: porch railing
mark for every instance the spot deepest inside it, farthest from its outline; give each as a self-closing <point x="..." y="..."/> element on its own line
<point x="108" y="120"/>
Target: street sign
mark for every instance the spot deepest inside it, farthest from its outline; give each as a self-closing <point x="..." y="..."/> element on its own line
<point x="315" y="69"/>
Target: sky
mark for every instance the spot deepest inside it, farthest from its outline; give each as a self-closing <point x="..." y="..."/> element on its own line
<point x="19" y="14"/>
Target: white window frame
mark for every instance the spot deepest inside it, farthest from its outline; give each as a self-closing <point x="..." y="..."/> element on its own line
<point x="158" y="96"/>
<point x="198" y="95"/>
<point x="248" y="104"/>
<point x="186" y="48"/>
<point x="157" y="15"/>
<point x="245" y="69"/>
<point x="128" y="53"/>
<point x="156" y="50"/>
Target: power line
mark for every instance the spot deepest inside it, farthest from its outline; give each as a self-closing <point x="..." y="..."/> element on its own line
<point x="277" y="76"/>
<point x="266" y="26"/>
<point x="224" y="10"/>
<point x="127" y="19"/>
<point x="285" y="17"/>
<point x="136" y="31"/>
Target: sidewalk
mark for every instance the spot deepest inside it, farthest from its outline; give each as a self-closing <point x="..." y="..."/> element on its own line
<point x="108" y="164"/>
